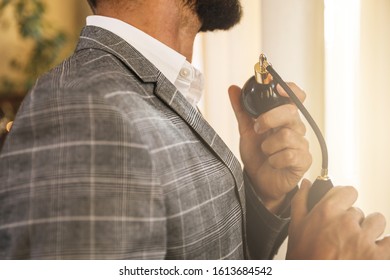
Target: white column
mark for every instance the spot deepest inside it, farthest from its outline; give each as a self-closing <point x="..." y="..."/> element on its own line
<point x="374" y="113"/>
<point x="342" y="38"/>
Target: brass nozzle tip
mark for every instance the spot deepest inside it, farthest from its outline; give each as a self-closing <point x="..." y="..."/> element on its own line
<point x="261" y="73"/>
<point x="263" y="62"/>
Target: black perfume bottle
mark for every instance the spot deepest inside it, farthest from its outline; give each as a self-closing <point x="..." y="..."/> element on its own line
<point x="259" y="93"/>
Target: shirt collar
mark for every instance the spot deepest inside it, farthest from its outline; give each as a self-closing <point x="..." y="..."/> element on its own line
<point x="167" y="60"/>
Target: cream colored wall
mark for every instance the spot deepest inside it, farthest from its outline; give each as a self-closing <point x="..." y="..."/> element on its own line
<point x="374" y="112"/>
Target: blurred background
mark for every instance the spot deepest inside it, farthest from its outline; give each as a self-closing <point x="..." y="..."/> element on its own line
<point x="35" y="35"/>
<point x="337" y="51"/>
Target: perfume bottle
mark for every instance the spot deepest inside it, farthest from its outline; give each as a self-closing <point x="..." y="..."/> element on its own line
<point x="259" y="94"/>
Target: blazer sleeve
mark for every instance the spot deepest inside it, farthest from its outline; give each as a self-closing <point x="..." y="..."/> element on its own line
<point x="265" y="231"/>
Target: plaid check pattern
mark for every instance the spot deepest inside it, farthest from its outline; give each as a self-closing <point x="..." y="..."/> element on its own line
<point x="107" y="160"/>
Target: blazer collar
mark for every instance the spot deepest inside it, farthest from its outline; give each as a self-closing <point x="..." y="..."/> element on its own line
<point x="97" y="38"/>
<point x="93" y="37"/>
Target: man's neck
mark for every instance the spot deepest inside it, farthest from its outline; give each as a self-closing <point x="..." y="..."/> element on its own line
<point x="168" y="21"/>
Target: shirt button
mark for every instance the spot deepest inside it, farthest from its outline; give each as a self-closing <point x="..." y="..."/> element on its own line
<point x="184" y="72"/>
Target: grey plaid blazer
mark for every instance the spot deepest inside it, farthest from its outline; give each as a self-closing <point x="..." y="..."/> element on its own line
<point x="107" y="160"/>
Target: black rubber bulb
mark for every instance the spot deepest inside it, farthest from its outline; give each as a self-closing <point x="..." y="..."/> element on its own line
<point x="317" y="191"/>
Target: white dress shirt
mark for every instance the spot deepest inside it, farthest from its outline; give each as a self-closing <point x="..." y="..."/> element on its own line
<point x="187" y="79"/>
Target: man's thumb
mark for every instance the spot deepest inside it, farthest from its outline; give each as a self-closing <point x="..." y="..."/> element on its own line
<point x="244" y="120"/>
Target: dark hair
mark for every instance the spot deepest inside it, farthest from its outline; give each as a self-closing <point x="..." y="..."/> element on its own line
<point x="92" y="4"/>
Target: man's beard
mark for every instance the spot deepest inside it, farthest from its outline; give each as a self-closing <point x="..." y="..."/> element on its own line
<point x="217" y="14"/>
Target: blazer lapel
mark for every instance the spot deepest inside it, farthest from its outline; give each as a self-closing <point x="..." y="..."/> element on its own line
<point x="169" y="94"/>
<point x="95" y="37"/>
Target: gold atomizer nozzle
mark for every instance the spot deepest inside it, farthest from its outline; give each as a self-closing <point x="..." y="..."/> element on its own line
<point x="261" y="73"/>
<point x="324" y="175"/>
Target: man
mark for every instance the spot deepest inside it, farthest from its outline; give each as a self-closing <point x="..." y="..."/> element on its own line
<point x="110" y="159"/>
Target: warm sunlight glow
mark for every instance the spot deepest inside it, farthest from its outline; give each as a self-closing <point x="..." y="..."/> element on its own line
<point x="342" y="40"/>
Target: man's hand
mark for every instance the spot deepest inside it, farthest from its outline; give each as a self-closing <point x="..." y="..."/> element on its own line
<point x="334" y="229"/>
<point x="273" y="148"/>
